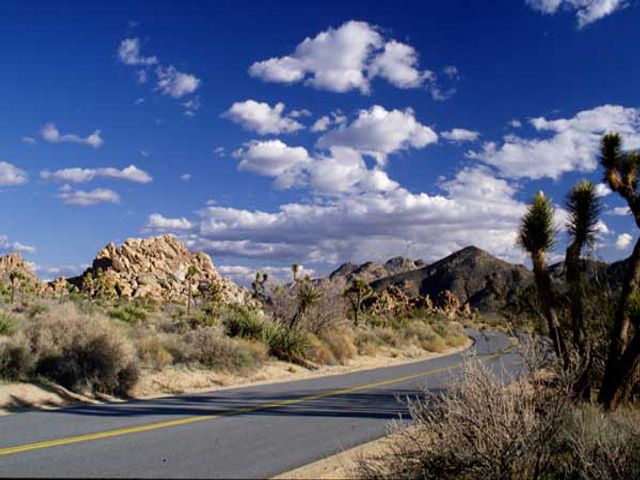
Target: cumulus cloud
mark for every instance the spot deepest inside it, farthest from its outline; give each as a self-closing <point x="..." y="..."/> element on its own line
<point x="82" y="175"/>
<point x="475" y="207"/>
<point x="8" y="246"/>
<point x="619" y="211"/>
<point x="12" y="175"/>
<point x="160" y="223"/>
<point x="244" y="275"/>
<point x="602" y="190"/>
<point x="323" y="123"/>
<point x="261" y="118"/>
<point x="380" y="132"/>
<point x="572" y="145"/>
<point x="458" y="135"/>
<point x="623" y="241"/>
<point x="27" y="140"/>
<point x="129" y="53"/>
<point x="586" y="11"/>
<point x="343" y="59"/>
<point x="175" y="83"/>
<point x="51" y="134"/>
<point x="81" y="198"/>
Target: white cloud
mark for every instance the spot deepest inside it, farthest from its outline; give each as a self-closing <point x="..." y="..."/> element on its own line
<point x="459" y="135"/>
<point x="343" y="59"/>
<point x="185" y="177"/>
<point x="82" y="175"/>
<point x="160" y="223"/>
<point x="12" y="175"/>
<point x="51" y="272"/>
<point x="174" y="83"/>
<point x="82" y="198"/>
<point x="261" y="118"/>
<point x="623" y="241"/>
<point x="379" y="132"/>
<point x="8" y="246"/>
<point x="244" y="275"/>
<point x="51" y="134"/>
<point x="323" y="123"/>
<point x="129" y="53"/>
<point x="602" y="190"/>
<point x="274" y="158"/>
<point x="28" y="140"/>
<point x="619" y="211"/>
<point x="587" y="11"/>
<point x="475" y="208"/>
<point x="573" y="145"/>
<point x="515" y="123"/>
<point x="303" y="112"/>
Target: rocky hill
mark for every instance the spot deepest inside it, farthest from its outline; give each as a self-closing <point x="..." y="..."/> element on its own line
<point x="471" y="274"/>
<point x="157" y="268"/>
<point x="371" y="271"/>
<point x="15" y="262"/>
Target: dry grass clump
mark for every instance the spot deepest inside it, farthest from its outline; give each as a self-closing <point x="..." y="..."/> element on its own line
<point x="211" y="348"/>
<point x="341" y="345"/>
<point x="530" y="429"/>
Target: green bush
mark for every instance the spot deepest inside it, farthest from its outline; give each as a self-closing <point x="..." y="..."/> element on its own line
<point x="243" y="323"/>
<point x="210" y="348"/>
<point x="285" y="343"/>
<point x="8" y="324"/>
<point x="130" y="312"/>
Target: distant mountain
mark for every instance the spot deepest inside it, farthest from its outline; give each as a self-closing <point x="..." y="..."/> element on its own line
<point x="370" y="271"/>
<point x="472" y="274"/>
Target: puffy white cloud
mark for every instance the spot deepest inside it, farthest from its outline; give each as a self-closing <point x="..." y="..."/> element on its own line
<point x="323" y="123"/>
<point x="303" y="112"/>
<point x="51" y="134"/>
<point x="623" y="241"/>
<point x="160" y="223"/>
<point x="459" y="135"/>
<point x="244" y="275"/>
<point x="619" y="211"/>
<point x="379" y="132"/>
<point x="602" y="190"/>
<point x="515" y="123"/>
<point x="27" y="140"/>
<point x="474" y="208"/>
<point x="185" y="177"/>
<point x="12" y="175"/>
<point x="587" y="11"/>
<point x="261" y="118"/>
<point x="343" y="59"/>
<point x="8" y="246"/>
<point x="175" y="83"/>
<point x="83" y="198"/>
<point x="129" y="53"/>
<point x="573" y="145"/>
<point x="82" y="175"/>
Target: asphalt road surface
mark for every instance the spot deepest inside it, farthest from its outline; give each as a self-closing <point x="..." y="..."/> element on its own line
<point x="257" y="431"/>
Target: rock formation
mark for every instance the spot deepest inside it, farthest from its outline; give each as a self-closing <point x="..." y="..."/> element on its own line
<point x="157" y="268"/>
<point x="370" y="271"/>
<point x="15" y="263"/>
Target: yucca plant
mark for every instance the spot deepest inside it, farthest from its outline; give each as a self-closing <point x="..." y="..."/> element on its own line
<point x="583" y="209"/>
<point x="358" y="292"/>
<point x="621" y="174"/>
<point x="537" y="237"/>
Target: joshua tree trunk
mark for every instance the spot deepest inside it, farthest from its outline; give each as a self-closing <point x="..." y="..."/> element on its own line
<point x="572" y="263"/>
<point x="623" y="356"/>
<point x="543" y="285"/>
<point x="189" y="299"/>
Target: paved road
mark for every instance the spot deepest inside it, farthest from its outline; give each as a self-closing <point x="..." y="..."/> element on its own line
<point x="255" y="431"/>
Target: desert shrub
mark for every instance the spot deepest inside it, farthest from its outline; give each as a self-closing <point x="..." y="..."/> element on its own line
<point x="330" y="311"/>
<point x="288" y="344"/>
<point x="242" y="323"/>
<point x="8" y="324"/>
<point x="257" y="349"/>
<point x="36" y="309"/>
<point x="16" y="361"/>
<point x="212" y="349"/>
<point x="367" y="342"/>
<point x="319" y="352"/>
<point x="341" y="345"/>
<point x="81" y="352"/>
<point x="130" y="312"/>
<point x="153" y="352"/>
<point x="387" y="336"/>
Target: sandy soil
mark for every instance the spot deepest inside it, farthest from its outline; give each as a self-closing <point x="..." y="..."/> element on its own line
<point x="16" y="397"/>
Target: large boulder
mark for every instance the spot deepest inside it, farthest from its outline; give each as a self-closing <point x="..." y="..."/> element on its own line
<point x="157" y="268"/>
<point x="15" y="263"/>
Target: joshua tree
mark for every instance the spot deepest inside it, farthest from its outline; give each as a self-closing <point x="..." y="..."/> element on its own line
<point x="308" y="296"/>
<point x="295" y="269"/>
<point x="258" y="286"/>
<point x="621" y="174"/>
<point x="536" y="236"/>
<point x="358" y="292"/>
<point x="584" y="207"/>
<point x="15" y="278"/>
<point x="192" y="271"/>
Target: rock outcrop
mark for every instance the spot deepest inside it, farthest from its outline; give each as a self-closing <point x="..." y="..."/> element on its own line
<point x="15" y="263"/>
<point x="157" y="268"/>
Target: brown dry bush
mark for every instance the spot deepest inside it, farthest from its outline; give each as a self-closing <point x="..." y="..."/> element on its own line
<point x="210" y="347"/>
<point x="341" y="345"/>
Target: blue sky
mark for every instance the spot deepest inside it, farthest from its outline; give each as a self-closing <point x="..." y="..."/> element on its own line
<point x="284" y="131"/>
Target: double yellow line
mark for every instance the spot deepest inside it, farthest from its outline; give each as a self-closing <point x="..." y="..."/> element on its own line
<point x="201" y="418"/>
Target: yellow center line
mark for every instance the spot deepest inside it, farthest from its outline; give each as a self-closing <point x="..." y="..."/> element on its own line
<point x="201" y="418"/>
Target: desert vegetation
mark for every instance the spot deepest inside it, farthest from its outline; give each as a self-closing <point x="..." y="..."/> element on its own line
<point x="87" y="338"/>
